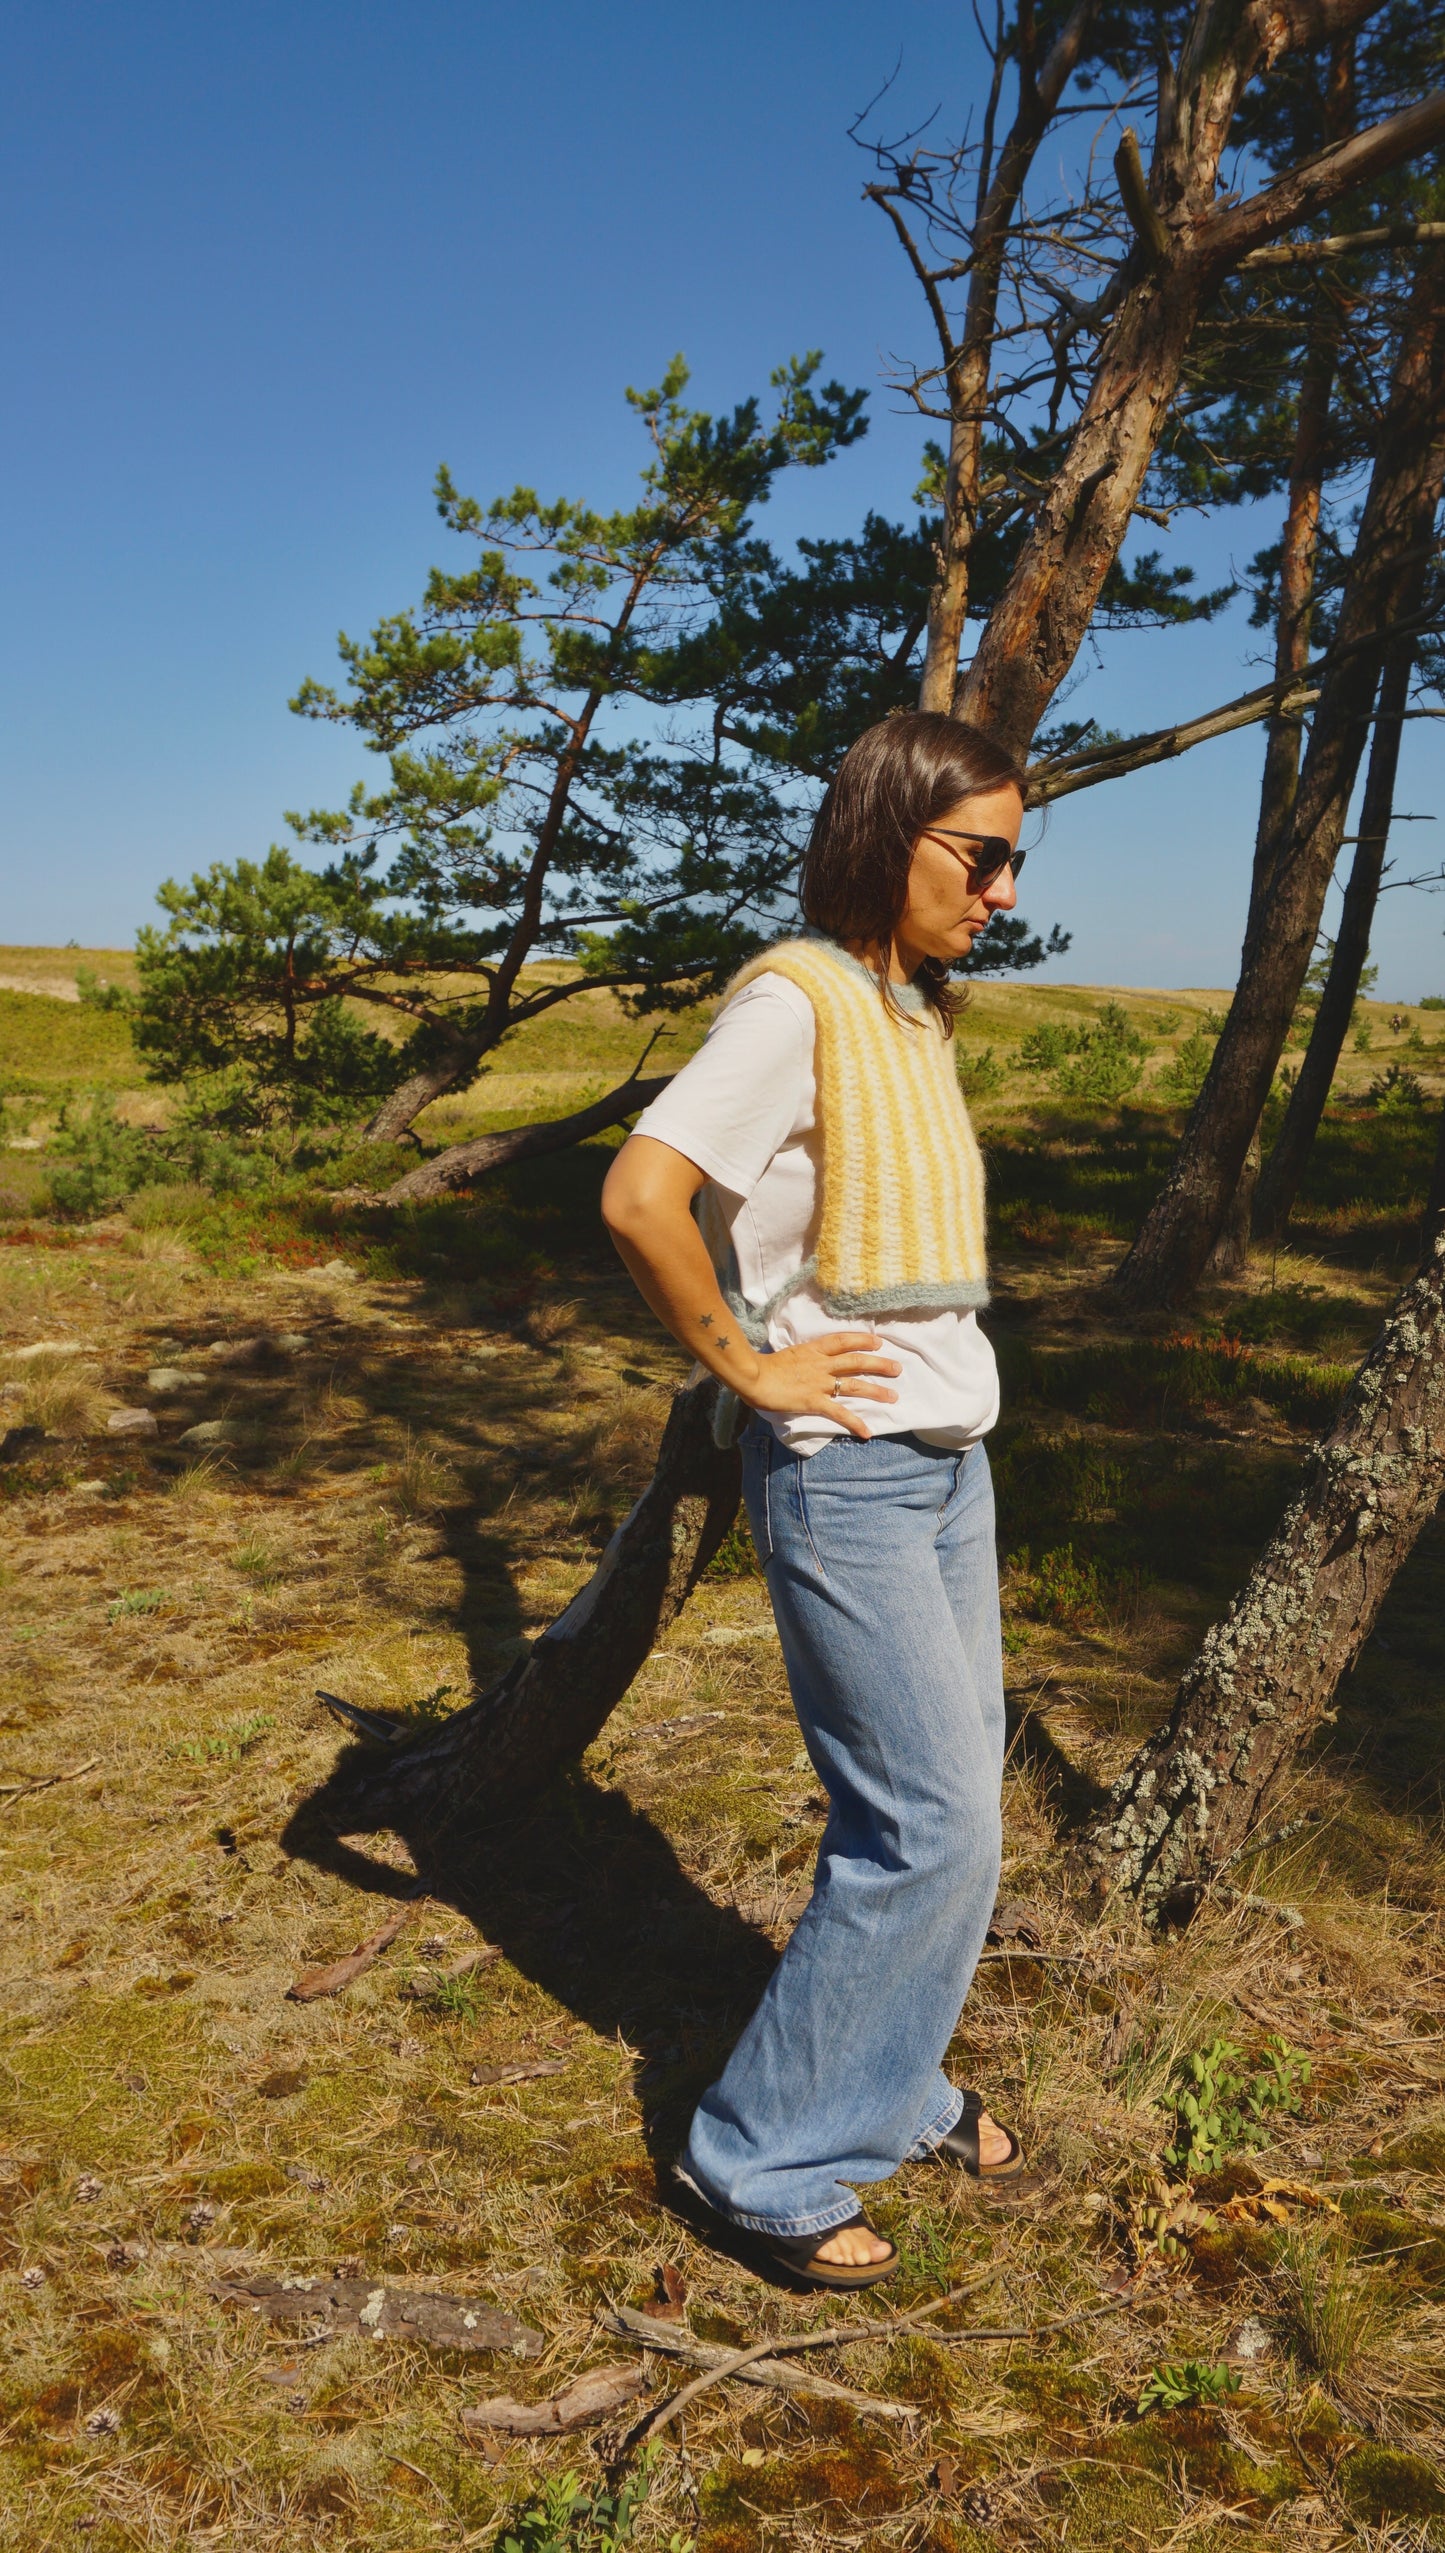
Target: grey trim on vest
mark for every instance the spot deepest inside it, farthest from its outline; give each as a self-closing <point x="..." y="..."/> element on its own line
<point x="971" y="1294"/>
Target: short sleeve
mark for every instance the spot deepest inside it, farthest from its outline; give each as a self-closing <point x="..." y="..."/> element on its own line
<point x="740" y="1097"/>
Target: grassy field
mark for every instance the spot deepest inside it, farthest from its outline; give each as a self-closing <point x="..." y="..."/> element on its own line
<point x="415" y="1435"/>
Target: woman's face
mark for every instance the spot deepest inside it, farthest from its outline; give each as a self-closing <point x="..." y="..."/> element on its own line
<point x="945" y="910"/>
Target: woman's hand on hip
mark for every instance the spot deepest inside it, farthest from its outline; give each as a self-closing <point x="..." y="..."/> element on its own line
<point x="807" y="1381"/>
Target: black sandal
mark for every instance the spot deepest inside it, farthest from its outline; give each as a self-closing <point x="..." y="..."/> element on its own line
<point x="960" y="2145"/>
<point x="798" y="2252"/>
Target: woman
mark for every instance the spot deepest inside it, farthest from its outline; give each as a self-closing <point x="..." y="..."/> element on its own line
<point x="803" y="1208"/>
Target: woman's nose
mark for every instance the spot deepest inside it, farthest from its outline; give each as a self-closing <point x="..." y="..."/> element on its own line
<point x="1001" y="895"/>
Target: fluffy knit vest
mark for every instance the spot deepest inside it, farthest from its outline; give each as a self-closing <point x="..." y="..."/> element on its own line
<point x="902" y="1220"/>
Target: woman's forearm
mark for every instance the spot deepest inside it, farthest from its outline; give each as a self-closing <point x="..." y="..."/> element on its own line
<point x="675" y="1277"/>
<point x="646" y="1204"/>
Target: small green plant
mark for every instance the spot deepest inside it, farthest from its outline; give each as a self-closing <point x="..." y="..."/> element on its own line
<point x="1184" y="1075"/>
<point x="228" y="1748"/>
<point x="1051" y="1044"/>
<point x="981" y="1074"/>
<point x="256" y="1559"/>
<point x="1179" y="2384"/>
<point x="98" y="995"/>
<point x="458" y="1999"/>
<point x="1109" y="1062"/>
<point x="1220" y="2110"/>
<point x="432" y="1706"/>
<point x="1067" y="1588"/>
<point x="736" y="1555"/>
<point x="1395" y="1088"/>
<point x="1364" y="1038"/>
<point x="569" y="2519"/>
<point x="135" y="1600"/>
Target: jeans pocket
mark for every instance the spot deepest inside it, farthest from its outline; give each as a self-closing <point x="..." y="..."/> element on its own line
<point x="804" y="1519"/>
<point x="757" y="1452"/>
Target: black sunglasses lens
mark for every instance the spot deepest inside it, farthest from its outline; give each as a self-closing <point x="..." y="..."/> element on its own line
<point x="995" y="854"/>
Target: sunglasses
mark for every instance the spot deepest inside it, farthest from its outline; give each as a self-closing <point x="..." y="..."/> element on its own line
<point x="990" y="855"/>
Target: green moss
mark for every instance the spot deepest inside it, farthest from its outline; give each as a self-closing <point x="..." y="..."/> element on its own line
<point x="1387" y="2233"/>
<point x="1226" y="2257"/>
<point x="245" y="2180"/>
<point x="1384" y="2482"/>
<point x="1423" y="2150"/>
<point x="1198" y="2444"/>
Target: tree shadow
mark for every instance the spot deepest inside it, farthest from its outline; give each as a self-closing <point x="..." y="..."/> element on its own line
<point x="1076" y="1796"/>
<point x="585" y="1897"/>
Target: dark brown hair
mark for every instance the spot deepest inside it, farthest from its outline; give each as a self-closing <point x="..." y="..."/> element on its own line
<point x="898" y="779"/>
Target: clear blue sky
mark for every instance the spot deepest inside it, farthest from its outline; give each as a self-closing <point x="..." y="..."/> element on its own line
<point x="267" y="267"/>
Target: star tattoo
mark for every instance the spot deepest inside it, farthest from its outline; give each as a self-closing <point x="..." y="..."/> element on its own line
<point x="705" y="1320"/>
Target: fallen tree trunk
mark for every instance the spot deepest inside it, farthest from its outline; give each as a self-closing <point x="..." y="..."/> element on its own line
<point x="464" y="1164"/>
<point x="488" y="1759"/>
<point x="1266" y="1676"/>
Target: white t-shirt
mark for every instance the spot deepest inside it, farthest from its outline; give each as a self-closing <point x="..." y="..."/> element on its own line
<point x="743" y="1109"/>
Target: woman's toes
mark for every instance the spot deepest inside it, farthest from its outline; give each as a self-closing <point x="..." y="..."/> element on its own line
<point x="994" y="2143"/>
<point x="853" y="2248"/>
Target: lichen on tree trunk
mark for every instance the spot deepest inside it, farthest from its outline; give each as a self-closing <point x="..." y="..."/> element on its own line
<point x="1266" y="1676"/>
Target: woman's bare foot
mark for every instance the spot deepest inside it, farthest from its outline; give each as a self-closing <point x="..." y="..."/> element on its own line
<point x="853" y="2247"/>
<point x="995" y="2145"/>
<point x="857" y="2246"/>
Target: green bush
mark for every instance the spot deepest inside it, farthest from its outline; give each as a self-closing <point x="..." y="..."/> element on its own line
<point x="1051" y="1044"/>
<point x="1108" y="1064"/>
<point x="99" y="996"/>
<point x="981" y="1074"/>
<point x="1396" y="1088"/>
<point x="1184" y="1075"/>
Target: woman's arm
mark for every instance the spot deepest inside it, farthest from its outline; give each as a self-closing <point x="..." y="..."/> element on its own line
<point x="646" y="1202"/>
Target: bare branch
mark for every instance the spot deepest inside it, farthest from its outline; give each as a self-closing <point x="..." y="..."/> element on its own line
<point x="1309" y="252"/>
<point x="1084" y="770"/>
<point x="1235" y="229"/>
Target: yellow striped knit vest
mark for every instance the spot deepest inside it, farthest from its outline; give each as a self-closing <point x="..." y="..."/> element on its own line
<point x="902" y="1220"/>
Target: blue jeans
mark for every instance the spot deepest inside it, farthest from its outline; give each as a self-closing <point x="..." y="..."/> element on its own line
<point x="881" y="1564"/>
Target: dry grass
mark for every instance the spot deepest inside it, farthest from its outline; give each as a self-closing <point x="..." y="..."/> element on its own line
<point x="423" y="1483"/>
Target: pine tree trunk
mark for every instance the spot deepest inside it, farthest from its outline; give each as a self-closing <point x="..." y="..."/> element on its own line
<point x="1299" y="544"/>
<point x="451" y="1071"/>
<point x="1174" y="1243"/>
<point x="462" y="1165"/>
<point x="488" y="1759"/>
<point x="1266" y="1678"/>
<point x="1282" y="1173"/>
<point x="1230" y="1255"/>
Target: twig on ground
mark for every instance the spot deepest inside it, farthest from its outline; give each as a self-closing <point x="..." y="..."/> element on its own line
<point x="1046" y="1958"/>
<point x="314" y="1982"/>
<point x="674" y="2342"/>
<point x="23" y="1790"/>
<point x="840" y="2335"/>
